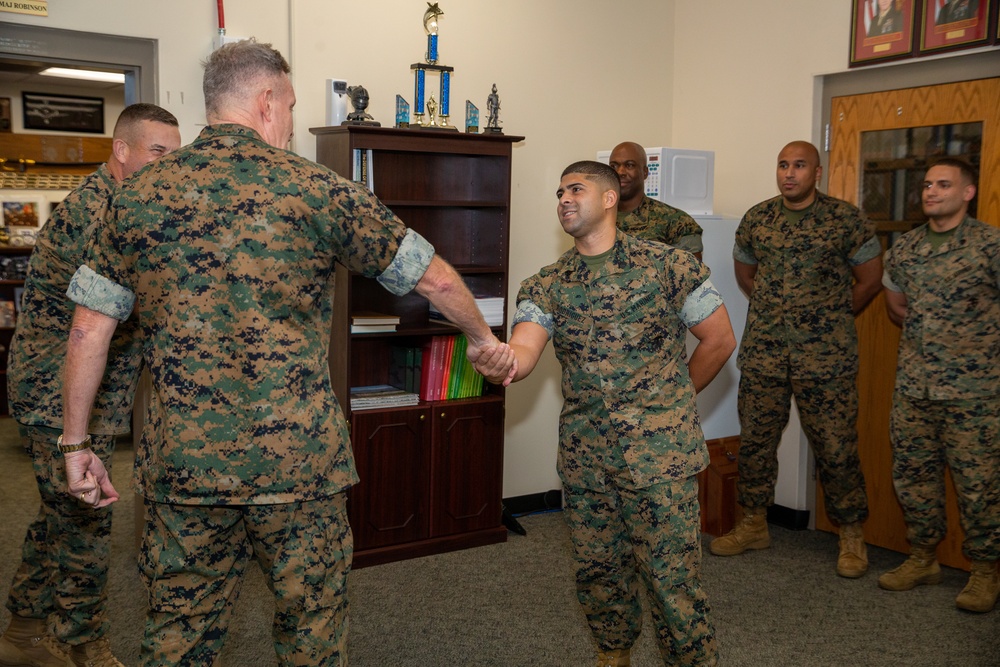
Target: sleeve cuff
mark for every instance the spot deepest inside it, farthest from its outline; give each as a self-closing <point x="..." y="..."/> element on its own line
<point x="529" y="312"/>
<point x="701" y="303"/>
<point x="99" y="294"/>
<point x="409" y="265"/>
<point x="870" y="250"/>
<point x="741" y="254"/>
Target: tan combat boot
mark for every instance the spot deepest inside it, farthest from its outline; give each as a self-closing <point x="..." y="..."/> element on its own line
<point x="27" y="643"/>
<point x="920" y="568"/>
<point x="750" y="533"/>
<point x="94" y="654"/>
<point x="620" y="658"/>
<point x="980" y="594"/>
<point x="853" y="559"/>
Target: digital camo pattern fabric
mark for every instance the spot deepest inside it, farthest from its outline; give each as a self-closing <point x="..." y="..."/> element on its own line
<point x="66" y="551"/>
<point x="38" y="349"/>
<point x="655" y="221"/>
<point x="304" y="550"/>
<point x="800" y="320"/>
<point x="950" y="346"/>
<point x="229" y="246"/>
<point x="829" y="412"/>
<point x="931" y="438"/>
<point x="620" y="338"/>
<point x="625" y="540"/>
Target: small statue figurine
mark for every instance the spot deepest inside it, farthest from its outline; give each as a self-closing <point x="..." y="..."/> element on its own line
<point x="359" y="101"/>
<point x="493" y="112"/>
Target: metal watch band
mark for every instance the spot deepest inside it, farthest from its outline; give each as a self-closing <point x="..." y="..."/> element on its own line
<point x="66" y="449"/>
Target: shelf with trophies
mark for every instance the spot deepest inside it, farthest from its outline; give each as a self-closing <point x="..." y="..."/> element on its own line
<point x="427" y="432"/>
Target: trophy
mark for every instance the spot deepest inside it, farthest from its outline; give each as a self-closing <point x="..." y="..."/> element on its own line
<point x="402" y="112"/>
<point x="359" y="101"/>
<point x="442" y="109"/>
<point x="471" y="118"/>
<point x="493" y="113"/>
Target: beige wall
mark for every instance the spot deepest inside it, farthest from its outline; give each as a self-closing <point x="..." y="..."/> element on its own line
<point x="574" y="76"/>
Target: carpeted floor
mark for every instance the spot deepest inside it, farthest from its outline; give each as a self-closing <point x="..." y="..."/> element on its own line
<point x="514" y="603"/>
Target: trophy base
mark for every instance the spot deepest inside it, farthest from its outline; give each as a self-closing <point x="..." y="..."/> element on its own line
<point x="472" y="129"/>
<point x="369" y="123"/>
<point x="439" y="128"/>
<point x="492" y="130"/>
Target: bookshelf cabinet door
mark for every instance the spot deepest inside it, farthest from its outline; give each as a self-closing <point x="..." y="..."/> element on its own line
<point x="466" y="484"/>
<point x="392" y="453"/>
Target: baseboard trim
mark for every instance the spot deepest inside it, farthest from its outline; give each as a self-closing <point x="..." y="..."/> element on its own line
<point x="786" y="517"/>
<point x="534" y="502"/>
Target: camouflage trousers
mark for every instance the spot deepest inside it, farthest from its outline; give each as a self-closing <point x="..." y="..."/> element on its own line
<point x="192" y="563"/>
<point x="622" y="535"/>
<point x="64" y="559"/>
<point x="828" y="409"/>
<point x="928" y="437"/>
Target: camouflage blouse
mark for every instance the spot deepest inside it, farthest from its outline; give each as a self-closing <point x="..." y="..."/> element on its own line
<point x="655" y="221"/>
<point x="228" y="247"/>
<point x="38" y="350"/>
<point x="800" y="321"/>
<point x="950" y="346"/>
<point x="620" y="335"/>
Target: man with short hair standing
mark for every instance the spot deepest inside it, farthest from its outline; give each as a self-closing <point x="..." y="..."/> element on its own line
<point x="809" y="264"/>
<point x="643" y="216"/>
<point x="64" y="566"/>
<point x="226" y="253"/>
<point x="618" y="310"/>
<point x="942" y="284"/>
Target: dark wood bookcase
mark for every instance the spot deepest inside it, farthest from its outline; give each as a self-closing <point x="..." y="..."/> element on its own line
<point x="431" y="474"/>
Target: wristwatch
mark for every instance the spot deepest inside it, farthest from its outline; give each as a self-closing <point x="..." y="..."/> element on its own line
<point x="66" y="449"/>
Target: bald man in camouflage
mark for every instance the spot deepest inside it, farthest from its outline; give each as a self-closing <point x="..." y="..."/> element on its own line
<point x="809" y="264"/>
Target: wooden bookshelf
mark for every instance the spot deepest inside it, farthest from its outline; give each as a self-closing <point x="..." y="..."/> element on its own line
<point x="431" y="474"/>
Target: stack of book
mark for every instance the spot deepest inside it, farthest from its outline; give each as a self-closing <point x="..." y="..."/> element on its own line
<point x="381" y="396"/>
<point x="372" y="322"/>
<point x="445" y="371"/>
<point x="490" y="306"/>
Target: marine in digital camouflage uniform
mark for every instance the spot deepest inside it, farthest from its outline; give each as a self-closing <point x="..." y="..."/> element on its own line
<point x="643" y="216"/>
<point x="64" y="564"/>
<point x="942" y="284"/>
<point x="809" y="263"/>
<point x="228" y="249"/>
<point x="656" y="221"/>
<point x="617" y="309"/>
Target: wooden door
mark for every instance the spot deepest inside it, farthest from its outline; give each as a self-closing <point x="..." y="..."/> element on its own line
<point x="964" y="102"/>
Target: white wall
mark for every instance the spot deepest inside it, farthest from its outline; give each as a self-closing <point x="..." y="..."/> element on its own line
<point x="574" y="76"/>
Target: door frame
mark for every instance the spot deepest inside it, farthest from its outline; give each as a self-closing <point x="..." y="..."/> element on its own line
<point x="982" y="64"/>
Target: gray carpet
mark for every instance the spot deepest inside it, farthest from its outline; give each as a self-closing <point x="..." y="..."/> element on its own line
<point x="514" y="603"/>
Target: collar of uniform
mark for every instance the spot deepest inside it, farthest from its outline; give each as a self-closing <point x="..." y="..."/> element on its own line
<point x="218" y="130"/>
<point x="957" y="239"/>
<point x="574" y="269"/>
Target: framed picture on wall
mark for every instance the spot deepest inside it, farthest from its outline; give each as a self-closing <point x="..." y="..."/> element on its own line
<point x="22" y="217"/>
<point x="881" y="30"/>
<point x="954" y="24"/>
<point x="63" y="113"/>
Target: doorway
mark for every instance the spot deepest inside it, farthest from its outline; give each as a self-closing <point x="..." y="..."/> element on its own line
<point x="903" y="130"/>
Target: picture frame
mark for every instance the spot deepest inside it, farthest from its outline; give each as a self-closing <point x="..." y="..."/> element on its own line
<point x="881" y="30"/>
<point x="948" y="25"/>
<point x="63" y="113"/>
<point x="21" y="217"/>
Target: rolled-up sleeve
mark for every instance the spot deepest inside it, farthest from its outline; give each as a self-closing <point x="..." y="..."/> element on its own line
<point x="94" y="291"/>
<point x="409" y="265"/>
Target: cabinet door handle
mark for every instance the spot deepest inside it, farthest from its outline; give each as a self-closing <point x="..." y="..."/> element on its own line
<point x="442" y="415"/>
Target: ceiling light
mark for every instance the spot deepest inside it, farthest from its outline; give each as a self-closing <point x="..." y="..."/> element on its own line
<point x="86" y="74"/>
